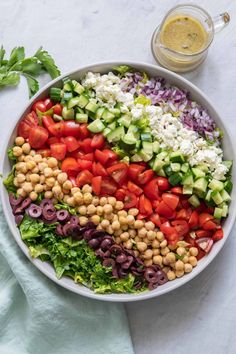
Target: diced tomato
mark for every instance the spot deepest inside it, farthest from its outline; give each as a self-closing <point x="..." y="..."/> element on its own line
<point x="71" y="143"/>
<point x="48" y="103"/>
<point x="85" y="164"/>
<point x="37" y="137"/>
<point x="84" y="177"/>
<point x="151" y="189"/>
<point x="89" y="156"/>
<point x="218" y="235"/>
<point x="71" y="128"/>
<point x="85" y="145"/>
<point x="98" y="169"/>
<point x="145" y="206"/>
<point x="164" y="210"/>
<point x="184" y="203"/>
<point x="163" y="183"/>
<point x="203" y="233"/>
<point x="177" y="190"/>
<point x="97" y="184"/>
<point x="47" y="121"/>
<point x="30" y="120"/>
<point x="145" y="177"/>
<point x="58" y="151"/>
<point x="134" y="171"/>
<point x="170" y="233"/>
<point x="193" y="220"/>
<point x="141" y="216"/>
<point x="156" y="202"/>
<point x="40" y="106"/>
<point x="133" y="188"/>
<point x="44" y="152"/>
<point x="120" y="194"/>
<point x="205" y="243"/>
<point x="118" y="172"/>
<point x="70" y="166"/>
<point x="190" y="240"/>
<point x="181" y="226"/>
<point x="101" y="157"/>
<point x="53" y="140"/>
<point x="98" y="141"/>
<point x="204" y="217"/>
<point x="171" y="200"/>
<point x="73" y="181"/>
<point x="130" y="200"/>
<point x="184" y="214"/>
<point x="110" y="154"/>
<point x="108" y="186"/>
<point x="209" y="225"/>
<point x="57" y="109"/>
<point x="155" y="218"/>
<point x="84" y="132"/>
<point x="57" y="129"/>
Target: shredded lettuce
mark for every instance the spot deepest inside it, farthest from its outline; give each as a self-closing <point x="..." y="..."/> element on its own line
<point x="8" y="182"/>
<point x="11" y="155"/>
<point x="61" y="205"/>
<point x="122" y="69"/>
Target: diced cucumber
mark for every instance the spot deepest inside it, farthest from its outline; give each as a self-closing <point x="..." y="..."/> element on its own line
<point x="216" y="185"/>
<point x="158" y="164"/>
<point x="156" y="146"/>
<point x="112" y="125"/>
<point x="108" y="116"/>
<point x="200" y="184"/>
<point x="208" y="195"/>
<point x="92" y="106"/>
<point x="136" y="158"/>
<point x="115" y="111"/>
<point x="106" y="131"/>
<point x="161" y="155"/>
<point x="228" y="186"/>
<point x="187" y="190"/>
<point x="128" y="142"/>
<point x="83" y="101"/>
<point x="133" y="129"/>
<point x="147" y="147"/>
<point x="198" y="173"/>
<point x="96" y="126"/>
<point x="55" y="94"/>
<point x="167" y="159"/>
<point x="167" y="169"/>
<point x="228" y="163"/>
<point x="78" y="88"/>
<point x="217" y="213"/>
<point x="68" y="114"/>
<point x="194" y="201"/>
<point x="175" y="166"/>
<point x="185" y="167"/>
<point x="177" y="157"/>
<point x="151" y="163"/>
<point x="116" y="135"/>
<point x="161" y="173"/>
<point x="81" y="118"/>
<point x="225" y="196"/>
<point x="124" y="120"/>
<point x="138" y="144"/>
<point x="146" y="137"/>
<point x="188" y="180"/>
<point x="225" y="210"/>
<point x="99" y="112"/>
<point x="203" y="167"/>
<point x="145" y="155"/>
<point x="67" y="87"/>
<point x="67" y="96"/>
<point x="175" y="178"/>
<point x="216" y="197"/>
<point x="57" y="118"/>
<point x="73" y="102"/>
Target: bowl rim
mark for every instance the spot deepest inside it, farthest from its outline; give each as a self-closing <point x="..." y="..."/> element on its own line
<point x="80" y="289"/>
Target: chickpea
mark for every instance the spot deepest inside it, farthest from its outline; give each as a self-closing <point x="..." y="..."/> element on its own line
<point x="34" y="178"/>
<point x="138" y="224"/>
<point x="166" y="269"/>
<point x="71" y="201"/>
<point x="99" y="210"/>
<point x="20" y="166"/>
<point x="115" y="225"/>
<point x="156" y="251"/>
<point x="130" y="219"/>
<point x="165" y="251"/>
<point x="160" y="236"/>
<point x="179" y="265"/>
<point x="163" y="244"/>
<point x="21" y="192"/>
<point x="188" y="268"/>
<point x="78" y="197"/>
<point x="142" y="232"/>
<point x="124" y="227"/>
<point x="136" y="253"/>
<point x="193" y="251"/>
<point x="95" y="219"/>
<point x="56" y="190"/>
<point x="75" y="190"/>
<point x="157" y="260"/>
<point x="50" y="182"/>
<point x="137" y="239"/>
<point x="27" y="186"/>
<point x="170" y="257"/>
<point x="56" y="172"/>
<point x="48" y="172"/>
<point x="110" y="230"/>
<point x="88" y="198"/>
<point x="171" y="275"/>
<point x="35" y="170"/>
<point x="107" y="209"/>
<point x="119" y="205"/>
<point x="185" y="259"/>
<point x="42" y="166"/>
<point x="38" y="158"/>
<point x="179" y="273"/>
<point x="128" y="244"/>
<point x="132" y="233"/>
<point x="67" y="185"/>
<point x="123" y="220"/>
<point x="17" y="151"/>
<point x="99" y="227"/>
<point x="91" y="209"/>
<point x="62" y="177"/>
<point x="141" y="246"/>
<point x="86" y="189"/>
<point x="124" y="236"/>
<point x="38" y="188"/>
<point x="118" y="240"/>
<point x="109" y="217"/>
<point x="21" y="158"/>
<point x="26" y="148"/>
<point x="148" y="254"/>
<point x="133" y="211"/>
<point x="103" y="201"/>
<point x="83" y="220"/>
<point x="52" y="162"/>
<point x="82" y="210"/>
<point x="118" y="232"/>
<point x="95" y="201"/>
<point x="122" y="213"/>
<point x="111" y="201"/>
<point x="33" y="196"/>
<point x="20" y="178"/>
<point x="151" y="235"/>
<point x="27" y="177"/>
<point x="115" y="217"/>
<point x="149" y="225"/>
<point x="15" y="182"/>
<point x="105" y="223"/>
<point x="155" y="244"/>
<point x="148" y="262"/>
<point x="19" y="140"/>
<point x="42" y="179"/>
<point x="193" y="261"/>
<point x="66" y="197"/>
<point x="32" y="152"/>
<point x="181" y="251"/>
<point x="48" y="194"/>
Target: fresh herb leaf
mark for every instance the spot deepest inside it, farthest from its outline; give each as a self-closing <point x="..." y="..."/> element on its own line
<point x="48" y="63"/>
<point x="8" y="182"/>
<point x="2" y="54"/>
<point x="10" y="154"/>
<point x="61" y="205"/>
<point x="17" y="54"/>
<point x="122" y="69"/>
<point x="31" y="66"/>
<point x="10" y="79"/>
<point x="33" y="84"/>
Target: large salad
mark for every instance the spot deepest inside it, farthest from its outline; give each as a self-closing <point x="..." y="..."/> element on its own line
<point x="119" y="181"/>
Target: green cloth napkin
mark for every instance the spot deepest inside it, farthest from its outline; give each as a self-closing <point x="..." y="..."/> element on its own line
<point x="39" y="317"/>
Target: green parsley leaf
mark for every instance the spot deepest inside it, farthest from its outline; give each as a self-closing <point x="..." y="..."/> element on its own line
<point x="17" y="54"/>
<point x="11" y="79"/>
<point x="2" y="54"/>
<point x="48" y="63"/>
<point x="33" y="84"/>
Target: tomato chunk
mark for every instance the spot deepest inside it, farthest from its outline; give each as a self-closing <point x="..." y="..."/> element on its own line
<point x="44" y="152"/>
<point x="155" y="218"/>
<point x="164" y="210"/>
<point x="97" y="184"/>
<point x="118" y="172"/>
<point x="151" y="190"/>
<point x="120" y="194"/>
<point x="101" y="157"/>
<point x="40" y="106"/>
<point x="171" y="200"/>
<point x="57" y="109"/>
<point x="181" y="226"/>
<point x="204" y="217"/>
<point x="209" y="225"/>
<point x="56" y="129"/>
<point x="163" y="183"/>
<point x="133" y="188"/>
<point x="84" y="177"/>
<point x="130" y="200"/>
<point x="193" y="220"/>
<point x="58" y="151"/>
<point x="218" y="235"/>
<point x="134" y="170"/>
<point x="145" y="177"/>
<point x="145" y="206"/>
<point x="98" y="141"/>
<point x="108" y="186"/>
<point x="30" y="120"/>
<point x="71" y="128"/>
<point x="98" y="169"/>
<point x="37" y="137"/>
<point x="70" y="166"/>
<point x="47" y="121"/>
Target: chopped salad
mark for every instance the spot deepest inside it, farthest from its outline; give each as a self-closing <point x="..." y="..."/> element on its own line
<point x="119" y="181"/>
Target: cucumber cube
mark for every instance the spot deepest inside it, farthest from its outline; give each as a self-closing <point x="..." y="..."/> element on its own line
<point x="177" y="157"/>
<point x="216" y="185"/>
<point x="81" y="118"/>
<point x="92" y="106"/>
<point x="200" y="184"/>
<point x="68" y="114"/>
<point x="225" y="196"/>
<point x="194" y="201"/>
<point x="83" y="101"/>
<point x="78" y="88"/>
<point x="96" y="126"/>
<point x="216" y="197"/>
<point x="217" y="213"/>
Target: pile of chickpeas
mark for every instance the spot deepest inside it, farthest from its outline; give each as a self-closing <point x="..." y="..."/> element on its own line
<point x="35" y="174"/>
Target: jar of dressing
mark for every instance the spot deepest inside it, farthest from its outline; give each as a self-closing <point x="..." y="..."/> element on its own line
<point x="182" y="40"/>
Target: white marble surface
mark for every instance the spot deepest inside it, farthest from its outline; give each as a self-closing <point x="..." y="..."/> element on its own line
<point x="200" y="317"/>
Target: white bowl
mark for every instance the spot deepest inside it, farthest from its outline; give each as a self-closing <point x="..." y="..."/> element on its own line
<point x="45" y="267"/>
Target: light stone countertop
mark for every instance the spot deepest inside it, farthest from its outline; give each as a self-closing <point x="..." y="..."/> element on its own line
<point x="200" y="317"/>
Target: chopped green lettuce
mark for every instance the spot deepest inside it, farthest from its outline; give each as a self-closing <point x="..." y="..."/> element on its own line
<point x="61" y="205"/>
<point x="11" y="155"/>
<point x="122" y="69"/>
<point x="8" y="182"/>
<point x="143" y="100"/>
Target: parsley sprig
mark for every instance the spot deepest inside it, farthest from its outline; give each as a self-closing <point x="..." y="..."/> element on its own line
<point x="18" y="65"/>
